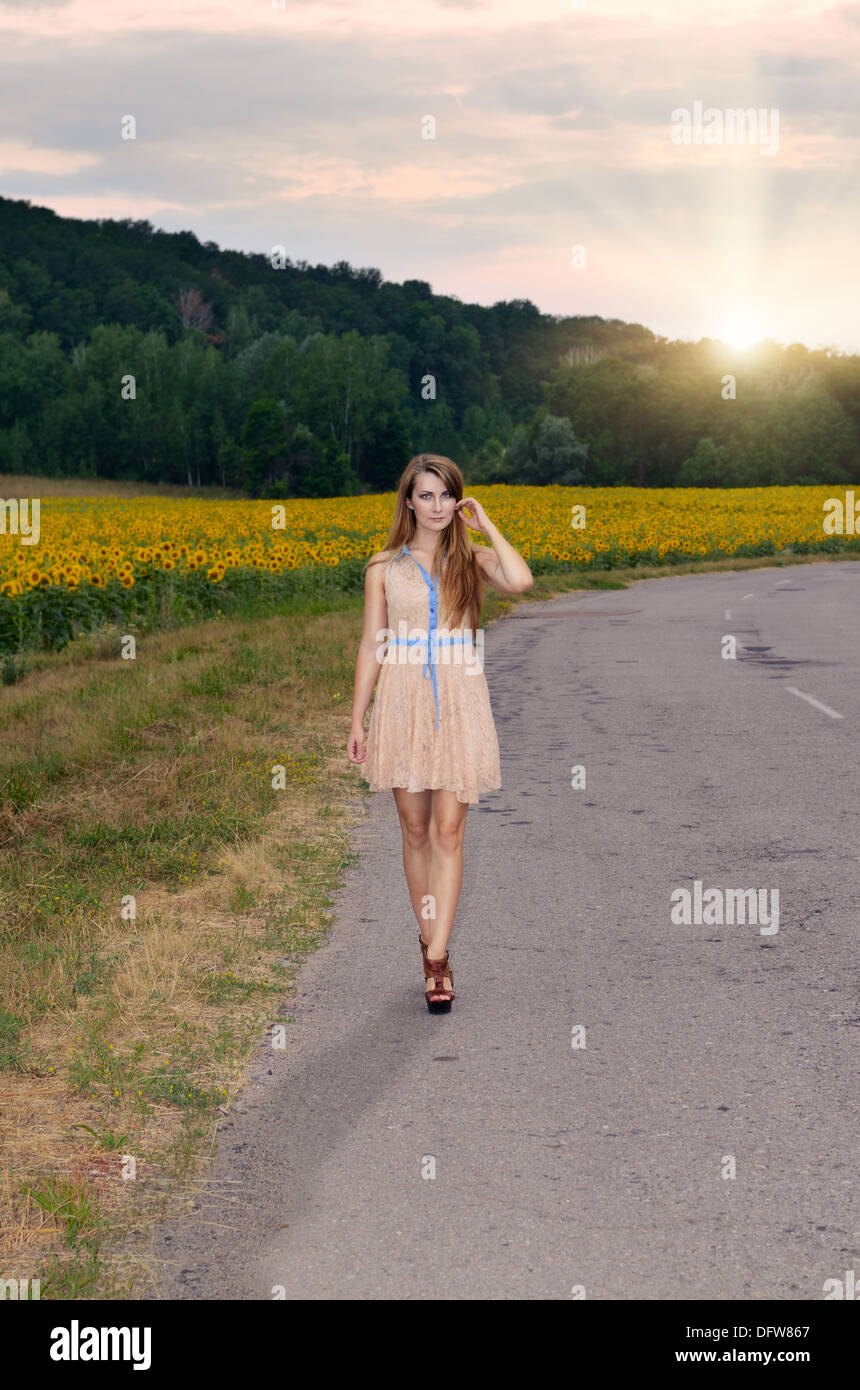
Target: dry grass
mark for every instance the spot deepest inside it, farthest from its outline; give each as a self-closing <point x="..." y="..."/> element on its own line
<point x="153" y="778"/>
<point x="36" y="485"/>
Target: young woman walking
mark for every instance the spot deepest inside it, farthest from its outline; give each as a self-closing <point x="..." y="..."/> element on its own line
<point x="431" y="737"/>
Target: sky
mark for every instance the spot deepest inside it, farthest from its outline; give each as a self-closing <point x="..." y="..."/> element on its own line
<point x="557" y="171"/>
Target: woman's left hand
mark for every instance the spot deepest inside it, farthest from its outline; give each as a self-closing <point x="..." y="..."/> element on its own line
<point x="478" y="519"/>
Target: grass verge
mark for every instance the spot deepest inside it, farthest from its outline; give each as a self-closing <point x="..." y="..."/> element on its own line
<point x="171" y="831"/>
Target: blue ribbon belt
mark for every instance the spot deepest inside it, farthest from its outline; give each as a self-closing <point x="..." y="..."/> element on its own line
<point x="433" y="642"/>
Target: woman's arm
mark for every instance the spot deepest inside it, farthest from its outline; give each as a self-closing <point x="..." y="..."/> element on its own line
<point x="503" y="566"/>
<point x="367" y="663"/>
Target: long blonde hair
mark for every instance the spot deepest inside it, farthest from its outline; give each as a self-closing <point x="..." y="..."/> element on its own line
<point x="461" y="580"/>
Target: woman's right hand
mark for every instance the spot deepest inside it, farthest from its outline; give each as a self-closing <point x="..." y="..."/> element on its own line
<point x="356" y="749"/>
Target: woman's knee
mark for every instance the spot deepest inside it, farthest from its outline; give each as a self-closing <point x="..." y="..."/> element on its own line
<point x="415" y="832"/>
<point x="447" y="832"/>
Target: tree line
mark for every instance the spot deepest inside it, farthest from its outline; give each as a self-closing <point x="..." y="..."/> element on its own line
<point x="132" y="353"/>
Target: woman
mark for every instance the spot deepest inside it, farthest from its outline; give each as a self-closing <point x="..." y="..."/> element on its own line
<point x="431" y="737"/>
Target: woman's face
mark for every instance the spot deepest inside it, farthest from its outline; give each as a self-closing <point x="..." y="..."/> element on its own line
<point x="432" y="502"/>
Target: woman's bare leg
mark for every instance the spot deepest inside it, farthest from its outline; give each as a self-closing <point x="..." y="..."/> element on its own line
<point x="447" y="832"/>
<point x="433" y="824"/>
<point x="413" y="808"/>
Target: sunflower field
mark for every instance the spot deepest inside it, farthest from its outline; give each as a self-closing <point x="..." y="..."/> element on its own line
<point x="152" y="560"/>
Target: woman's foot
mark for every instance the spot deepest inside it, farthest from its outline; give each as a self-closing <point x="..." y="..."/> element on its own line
<point x="432" y="994"/>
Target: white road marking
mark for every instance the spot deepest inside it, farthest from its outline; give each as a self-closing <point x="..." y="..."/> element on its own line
<point x="782" y="581"/>
<point x="793" y="690"/>
<point x="749" y="595"/>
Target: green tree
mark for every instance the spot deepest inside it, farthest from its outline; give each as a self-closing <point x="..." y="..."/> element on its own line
<point x="317" y="468"/>
<point x="710" y="465"/>
<point x="14" y="318"/>
<point x="339" y="389"/>
<point x="264" y="444"/>
<point x="547" y="452"/>
<point x="386" y="451"/>
<point x="487" y="462"/>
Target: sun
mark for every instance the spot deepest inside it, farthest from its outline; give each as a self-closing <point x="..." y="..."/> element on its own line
<point x="740" y="328"/>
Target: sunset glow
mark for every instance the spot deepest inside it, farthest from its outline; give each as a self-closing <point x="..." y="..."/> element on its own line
<point x="552" y="125"/>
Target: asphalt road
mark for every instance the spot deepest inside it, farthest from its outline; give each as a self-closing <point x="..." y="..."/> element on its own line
<point x="600" y="1167"/>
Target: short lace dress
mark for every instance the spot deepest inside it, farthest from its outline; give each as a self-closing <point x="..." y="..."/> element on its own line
<point x="431" y="725"/>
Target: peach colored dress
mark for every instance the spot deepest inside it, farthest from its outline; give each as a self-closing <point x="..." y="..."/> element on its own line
<point x="431" y="725"/>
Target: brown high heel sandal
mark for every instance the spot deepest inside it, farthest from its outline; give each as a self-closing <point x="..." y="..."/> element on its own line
<point x="438" y="969"/>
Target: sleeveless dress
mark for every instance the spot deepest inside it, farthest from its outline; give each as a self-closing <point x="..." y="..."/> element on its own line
<point x="431" y="725"/>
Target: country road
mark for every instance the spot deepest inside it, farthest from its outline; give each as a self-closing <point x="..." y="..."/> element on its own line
<point x="602" y="1065"/>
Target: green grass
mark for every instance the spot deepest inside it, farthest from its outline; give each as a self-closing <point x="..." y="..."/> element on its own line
<point x="136" y="779"/>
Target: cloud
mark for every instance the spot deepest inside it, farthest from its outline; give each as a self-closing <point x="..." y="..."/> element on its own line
<point x="178" y="84"/>
<point x="550" y="135"/>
